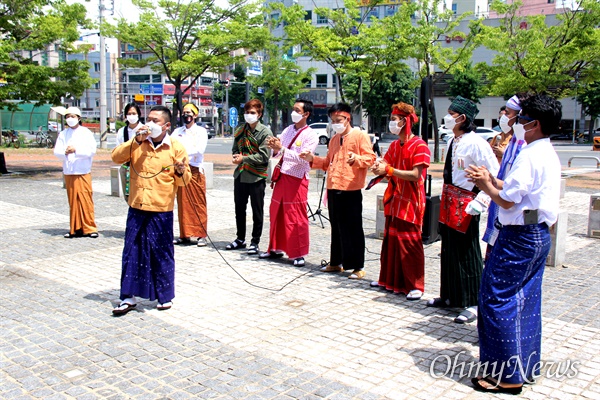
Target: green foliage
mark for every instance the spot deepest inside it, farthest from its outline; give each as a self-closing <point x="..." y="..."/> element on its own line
<point x="378" y="100"/>
<point x="466" y="83"/>
<point x="348" y="44"/>
<point x="186" y="39"/>
<point x="29" y="29"/>
<point x="282" y="80"/>
<point x="590" y="100"/>
<point x="537" y="54"/>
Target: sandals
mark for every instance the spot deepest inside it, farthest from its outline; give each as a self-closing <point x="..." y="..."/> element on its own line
<point x="164" y="306"/>
<point x="357" y="274"/>
<point x="123" y="308"/>
<point x="414" y="295"/>
<point x="92" y="235"/>
<point x="270" y="254"/>
<point x="437" y="302"/>
<point x="236" y="244"/>
<point x="299" y="262"/>
<point x="327" y="267"/>
<point x="465" y="317"/>
<point x="181" y="241"/>
<point x="252" y="249"/>
<point x="495" y="386"/>
<point x="70" y="235"/>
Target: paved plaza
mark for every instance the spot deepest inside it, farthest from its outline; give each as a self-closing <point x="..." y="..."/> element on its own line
<point x="244" y="328"/>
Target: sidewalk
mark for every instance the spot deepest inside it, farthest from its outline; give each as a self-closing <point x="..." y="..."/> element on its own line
<point x="321" y="336"/>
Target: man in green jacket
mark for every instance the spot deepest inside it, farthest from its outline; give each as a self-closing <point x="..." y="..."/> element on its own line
<point x="251" y="155"/>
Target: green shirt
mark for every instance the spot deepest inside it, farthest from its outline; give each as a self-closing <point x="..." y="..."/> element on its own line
<point x="259" y="159"/>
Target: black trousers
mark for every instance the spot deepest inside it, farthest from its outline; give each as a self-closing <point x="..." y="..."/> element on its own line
<point x="347" y="234"/>
<point x="256" y="192"/>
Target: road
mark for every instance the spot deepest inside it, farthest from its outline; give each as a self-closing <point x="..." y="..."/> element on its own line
<point x="565" y="151"/>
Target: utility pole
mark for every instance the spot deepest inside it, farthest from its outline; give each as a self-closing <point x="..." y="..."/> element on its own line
<point x="102" y="75"/>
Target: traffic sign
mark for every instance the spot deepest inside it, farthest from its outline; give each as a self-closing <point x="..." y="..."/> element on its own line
<point x="151" y="88"/>
<point x="151" y="103"/>
<point x="233" y="117"/>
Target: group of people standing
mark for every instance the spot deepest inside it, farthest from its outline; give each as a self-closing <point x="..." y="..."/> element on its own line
<point x="516" y="180"/>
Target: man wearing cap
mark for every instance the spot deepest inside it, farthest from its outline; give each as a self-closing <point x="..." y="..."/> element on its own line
<point x="349" y="156"/>
<point x="191" y="199"/>
<point x="507" y="158"/>
<point x="461" y="262"/>
<point x="76" y="147"/>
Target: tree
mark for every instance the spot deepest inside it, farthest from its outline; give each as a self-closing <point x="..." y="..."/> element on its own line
<point x="542" y="54"/>
<point x="185" y="39"/>
<point x="590" y="101"/>
<point x="380" y="97"/>
<point x="466" y="83"/>
<point x="351" y="43"/>
<point x="437" y="41"/>
<point x="282" y="80"/>
<point x="28" y="29"/>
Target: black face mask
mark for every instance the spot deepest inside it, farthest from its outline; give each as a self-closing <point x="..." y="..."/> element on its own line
<point x="187" y="119"/>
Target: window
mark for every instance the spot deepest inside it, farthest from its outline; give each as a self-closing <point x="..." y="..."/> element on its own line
<point x="307" y="82"/>
<point x="206" y="81"/>
<point x="454" y="8"/>
<point x="156" y="79"/>
<point x="321" y="19"/>
<point x="135" y="56"/>
<point x="550" y="1"/>
<point x="390" y="10"/>
<point x="308" y="15"/>
<point x="97" y="67"/>
<point x="97" y="85"/>
<point x="373" y="13"/>
<point x="275" y="19"/>
<point x="321" y="81"/>
<point x="139" y="78"/>
<point x="333" y="80"/>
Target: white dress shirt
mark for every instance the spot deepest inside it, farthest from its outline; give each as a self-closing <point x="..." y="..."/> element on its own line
<point x="82" y="139"/>
<point x="131" y="132"/>
<point x="194" y="140"/>
<point x="533" y="183"/>
<point x="468" y="149"/>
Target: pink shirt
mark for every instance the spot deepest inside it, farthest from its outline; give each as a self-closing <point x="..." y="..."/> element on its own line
<point x="293" y="165"/>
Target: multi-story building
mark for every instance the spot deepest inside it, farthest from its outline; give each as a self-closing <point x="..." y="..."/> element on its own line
<point x="89" y="102"/>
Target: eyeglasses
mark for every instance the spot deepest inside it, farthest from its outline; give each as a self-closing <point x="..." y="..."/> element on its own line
<point x="524" y="117"/>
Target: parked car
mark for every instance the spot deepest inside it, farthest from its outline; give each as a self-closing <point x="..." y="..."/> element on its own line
<point x="54" y="126"/>
<point x="210" y="129"/>
<point x="321" y="128"/>
<point x="486" y="133"/>
<point x="443" y="132"/>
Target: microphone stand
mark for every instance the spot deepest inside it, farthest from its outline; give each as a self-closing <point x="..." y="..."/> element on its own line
<point x="319" y="212"/>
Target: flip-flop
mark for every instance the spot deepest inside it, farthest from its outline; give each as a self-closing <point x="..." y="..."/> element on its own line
<point x="181" y="241"/>
<point x="236" y="244"/>
<point x="123" y="308"/>
<point x="93" y="235"/>
<point x="470" y="317"/>
<point x="437" y="302"/>
<point x="164" y="306"/>
<point x="495" y="388"/>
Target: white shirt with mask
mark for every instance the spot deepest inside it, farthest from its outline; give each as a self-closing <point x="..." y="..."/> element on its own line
<point x="131" y="133"/>
<point x="533" y="183"/>
<point x="79" y="162"/>
<point x="470" y="149"/>
<point x="194" y="140"/>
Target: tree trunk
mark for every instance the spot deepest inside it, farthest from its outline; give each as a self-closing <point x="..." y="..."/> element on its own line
<point x="3" y="169"/>
<point x="274" y="117"/>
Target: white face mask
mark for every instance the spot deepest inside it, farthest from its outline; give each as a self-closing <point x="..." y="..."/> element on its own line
<point x="394" y="128"/>
<point x="504" y="120"/>
<point x="250" y="118"/>
<point x="338" y="128"/>
<point x="72" y="121"/>
<point x="132" y="118"/>
<point x="155" y="129"/>
<point x="296" y="117"/>
<point x="449" y="121"/>
<point x="519" y="130"/>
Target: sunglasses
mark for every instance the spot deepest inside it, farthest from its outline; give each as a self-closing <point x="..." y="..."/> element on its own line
<point x="525" y="118"/>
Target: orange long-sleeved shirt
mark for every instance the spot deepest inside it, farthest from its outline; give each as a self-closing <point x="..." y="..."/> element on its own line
<point x="341" y="175"/>
<point x="158" y="193"/>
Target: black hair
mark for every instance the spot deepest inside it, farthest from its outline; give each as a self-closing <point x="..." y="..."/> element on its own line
<point x="503" y="108"/>
<point x="129" y="106"/>
<point x="307" y="105"/>
<point x="166" y="112"/>
<point x="337" y="107"/>
<point x="467" y="125"/>
<point x="546" y="110"/>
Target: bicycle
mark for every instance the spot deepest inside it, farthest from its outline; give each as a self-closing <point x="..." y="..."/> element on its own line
<point x="11" y="137"/>
<point x="43" y="139"/>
